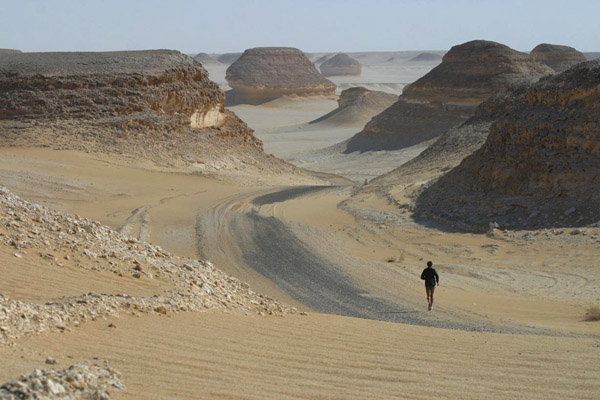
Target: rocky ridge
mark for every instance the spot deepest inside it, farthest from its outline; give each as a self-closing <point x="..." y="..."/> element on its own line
<point x="9" y="51"/>
<point x="557" y="57"/>
<point x="28" y="229"/>
<point x="448" y="95"/>
<point x="341" y="64"/>
<point x="266" y="73"/>
<point x="426" y="57"/>
<point x="206" y="59"/>
<point x="539" y="166"/>
<point x="357" y="106"/>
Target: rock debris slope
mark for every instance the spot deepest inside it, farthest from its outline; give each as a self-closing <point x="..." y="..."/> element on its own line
<point x="31" y="230"/>
<point x="341" y="64"/>
<point x="540" y="164"/>
<point x="557" y="57"/>
<point x="447" y="95"/>
<point x="266" y="73"/>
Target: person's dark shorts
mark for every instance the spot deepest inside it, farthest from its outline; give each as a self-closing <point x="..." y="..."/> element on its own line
<point x="429" y="287"/>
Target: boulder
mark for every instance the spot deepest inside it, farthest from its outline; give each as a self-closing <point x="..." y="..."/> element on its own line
<point x="266" y="73"/>
<point x="538" y="167"/>
<point x="557" y="57"/>
<point x="341" y="64"/>
<point x="448" y="95"/>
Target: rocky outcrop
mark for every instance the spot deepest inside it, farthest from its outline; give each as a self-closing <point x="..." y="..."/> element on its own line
<point x="426" y="57"/>
<point x="356" y="106"/>
<point x="266" y="73"/>
<point x="206" y="59"/>
<point x="472" y="72"/>
<point x="557" y="57"/>
<point x="158" y="105"/>
<point x="92" y="85"/>
<point x="9" y="51"/>
<point x="540" y="164"/>
<point x="228" y="58"/>
<point x="341" y="64"/>
<point x="447" y="95"/>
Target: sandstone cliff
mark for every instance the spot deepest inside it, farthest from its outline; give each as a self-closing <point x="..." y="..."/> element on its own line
<point x="540" y="165"/>
<point x="356" y="106"/>
<point x="557" y="57"/>
<point x="341" y="64"/>
<point x="447" y="95"/>
<point x="157" y="105"/>
<point x="266" y="73"/>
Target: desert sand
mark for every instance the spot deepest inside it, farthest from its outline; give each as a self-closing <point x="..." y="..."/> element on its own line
<point x="509" y="319"/>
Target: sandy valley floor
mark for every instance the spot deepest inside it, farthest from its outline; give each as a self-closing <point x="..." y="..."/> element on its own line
<point x="509" y="318"/>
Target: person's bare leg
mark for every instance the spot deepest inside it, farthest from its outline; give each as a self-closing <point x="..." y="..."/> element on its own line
<point x="431" y="297"/>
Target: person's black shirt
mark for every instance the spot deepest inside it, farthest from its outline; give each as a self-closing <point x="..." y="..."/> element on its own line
<point x="430" y="277"/>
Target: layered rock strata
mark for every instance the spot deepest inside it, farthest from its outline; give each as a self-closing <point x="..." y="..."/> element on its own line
<point x="341" y="64"/>
<point x="448" y="95"/>
<point x="266" y="73"/>
<point x="159" y="105"/>
<point x="557" y="57"/>
<point x="358" y="105"/>
<point x="540" y="164"/>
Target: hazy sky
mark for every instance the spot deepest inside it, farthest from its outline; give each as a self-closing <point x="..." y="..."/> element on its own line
<point x="219" y="26"/>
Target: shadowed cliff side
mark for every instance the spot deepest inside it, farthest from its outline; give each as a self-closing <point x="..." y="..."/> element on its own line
<point x="540" y="165"/>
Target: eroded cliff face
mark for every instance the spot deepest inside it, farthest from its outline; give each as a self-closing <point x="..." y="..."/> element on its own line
<point x="266" y="73"/>
<point x="540" y="165"/>
<point x="448" y="95"/>
<point x="50" y="86"/>
<point x="157" y="105"/>
<point x="557" y="57"/>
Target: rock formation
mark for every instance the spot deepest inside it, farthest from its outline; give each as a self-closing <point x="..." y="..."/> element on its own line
<point x="228" y="58"/>
<point x="341" y="64"/>
<point x="158" y="105"/>
<point x="9" y="51"/>
<point x="540" y="164"/>
<point x="92" y="85"/>
<point x="557" y="57"/>
<point x="447" y="95"/>
<point x="206" y="59"/>
<point x="426" y="57"/>
<point x="358" y="105"/>
<point x="266" y="73"/>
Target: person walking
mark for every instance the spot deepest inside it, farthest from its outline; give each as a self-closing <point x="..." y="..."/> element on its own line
<point x="431" y="278"/>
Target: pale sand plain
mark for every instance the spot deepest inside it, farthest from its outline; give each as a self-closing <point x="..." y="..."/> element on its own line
<point x="212" y="355"/>
<point x="537" y="292"/>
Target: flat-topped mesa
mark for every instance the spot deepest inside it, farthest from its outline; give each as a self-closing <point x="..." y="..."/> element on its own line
<point x="341" y="64"/>
<point x="266" y="73"/>
<point x="358" y="105"/>
<point x="447" y="95"/>
<point x="557" y="57"/>
<point x="473" y="71"/>
<point x="82" y="85"/>
<point x="540" y="164"/>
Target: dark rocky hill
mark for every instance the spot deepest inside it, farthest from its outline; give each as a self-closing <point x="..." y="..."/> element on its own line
<point x="447" y="95"/>
<point x="540" y="164"/>
<point x="557" y="57"/>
